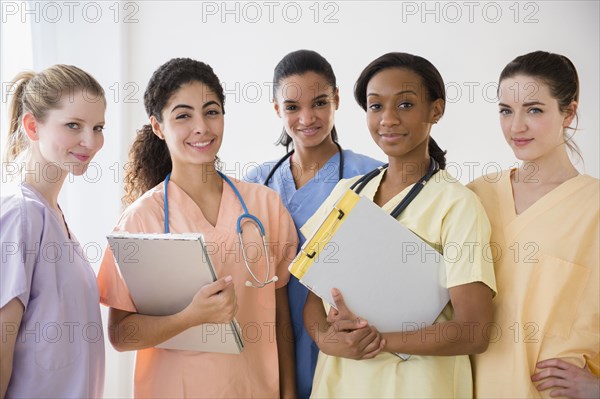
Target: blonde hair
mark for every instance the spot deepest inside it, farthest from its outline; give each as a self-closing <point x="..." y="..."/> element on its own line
<point x="39" y="93"/>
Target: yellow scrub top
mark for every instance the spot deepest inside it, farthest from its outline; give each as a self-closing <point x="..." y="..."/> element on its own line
<point x="178" y="374"/>
<point x="451" y="219"/>
<point x="546" y="261"/>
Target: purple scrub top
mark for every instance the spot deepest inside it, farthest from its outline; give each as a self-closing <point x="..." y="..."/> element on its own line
<point x="59" y="350"/>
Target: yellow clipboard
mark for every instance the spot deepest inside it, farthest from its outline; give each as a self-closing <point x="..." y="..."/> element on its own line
<point x="387" y="274"/>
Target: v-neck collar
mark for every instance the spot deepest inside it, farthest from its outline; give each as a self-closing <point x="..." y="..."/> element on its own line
<point x="180" y="199"/>
<point x="324" y="172"/>
<point x="372" y="187"/>
<point x="517" y="221"/>
<point x="58" y="217"/>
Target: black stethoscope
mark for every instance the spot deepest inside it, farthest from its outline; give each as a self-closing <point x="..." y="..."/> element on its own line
<point x="245" y="215"/>
<point x="434" y="167"/>
<point x="289" y="154"/>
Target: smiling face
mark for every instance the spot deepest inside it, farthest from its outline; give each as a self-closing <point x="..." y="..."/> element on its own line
<point x="68" y="136"/>
<point x="399" y="114"/>
<point x="530" y="118"/>
<point x="192" y="125"/>
<point x="307" y="103"/>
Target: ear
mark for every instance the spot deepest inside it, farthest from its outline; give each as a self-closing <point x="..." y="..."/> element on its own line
<point x="437" y="110"/>
<point x="156" y="128"/>
<point x="570" y="113"/>
<point x="276" y="107"/>
<point x="336" y="98"/>
<point x="30" y="126"/>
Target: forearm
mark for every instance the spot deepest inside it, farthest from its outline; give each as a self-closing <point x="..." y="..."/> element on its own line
<point x="5" y="373"/>
<point x="448" y="338"/>
<point x="315" y="320"/>
<point x="135" y="331"/>
<point x="285" y="346"/>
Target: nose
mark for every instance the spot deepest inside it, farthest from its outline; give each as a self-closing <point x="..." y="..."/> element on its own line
<point x="92" y="140"/>
<point x="200" y="126"/>
<point x="307" y="116"/>
<point x="518" y="123"/>
<point x="389" y="117"/>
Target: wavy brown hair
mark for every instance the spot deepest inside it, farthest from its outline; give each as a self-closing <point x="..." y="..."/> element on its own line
<point x="149" y="158"/>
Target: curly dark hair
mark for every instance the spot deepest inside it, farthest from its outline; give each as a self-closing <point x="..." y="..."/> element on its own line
<point x="149" y="158"/>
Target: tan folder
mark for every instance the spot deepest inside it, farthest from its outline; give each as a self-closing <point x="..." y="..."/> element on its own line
<point x="163" y="272"/>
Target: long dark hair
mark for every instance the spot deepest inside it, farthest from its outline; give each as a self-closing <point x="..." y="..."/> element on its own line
<point x="297" y="63"/>
<point x="149" y="158"/>
<point x="430" y="77"/>
<point x="555" y="70"/>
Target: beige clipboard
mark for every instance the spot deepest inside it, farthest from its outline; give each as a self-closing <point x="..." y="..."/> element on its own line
<point x="386" y="273"/>
<point x="163" y="272"/>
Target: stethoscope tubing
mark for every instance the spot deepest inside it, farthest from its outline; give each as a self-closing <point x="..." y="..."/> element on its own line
<point x="289" y="154"/>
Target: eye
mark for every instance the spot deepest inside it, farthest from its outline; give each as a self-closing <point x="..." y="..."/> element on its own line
<point x="182" y="116"/>
<point x="213" y="112"/>
<point x="72" y="125"/>
<point x="291" y="108"/>
<point x="405" y="105"/>
<point x="505" y="111"/>
<point x="99" y="128"/>
<point x="535" y="111"/>
<point x="374" y="107"/>
<point x="320" y="103"/>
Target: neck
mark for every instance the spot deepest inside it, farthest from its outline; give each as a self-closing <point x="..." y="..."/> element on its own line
<point x="197" y="181"/>
<point x="38" y="176"/>
<point x="313" y="158"/>
<point x="402" y="173"/>
<point x="553" y="169"/>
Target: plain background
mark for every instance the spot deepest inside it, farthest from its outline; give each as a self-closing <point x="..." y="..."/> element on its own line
<point x="122" y="42"/>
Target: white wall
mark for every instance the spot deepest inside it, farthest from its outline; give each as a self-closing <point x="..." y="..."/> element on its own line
<point x="469" y="42"/>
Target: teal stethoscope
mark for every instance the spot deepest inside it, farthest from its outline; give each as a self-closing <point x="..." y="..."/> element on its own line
<point x="241" y="218"/>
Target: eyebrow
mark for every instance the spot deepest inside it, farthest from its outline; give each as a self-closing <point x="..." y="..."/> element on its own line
<point x="529" y="104"/>
<point x="205" y="105"/>
<point x="314" y="99"/>
<point x="396" y="94"/>
<point x="76" y="119"/>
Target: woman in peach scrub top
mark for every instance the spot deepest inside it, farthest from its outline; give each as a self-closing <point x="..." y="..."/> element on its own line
<point x="185" y="100"/>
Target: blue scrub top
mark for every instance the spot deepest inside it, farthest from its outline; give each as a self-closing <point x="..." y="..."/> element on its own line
<point x="302" y="204"/>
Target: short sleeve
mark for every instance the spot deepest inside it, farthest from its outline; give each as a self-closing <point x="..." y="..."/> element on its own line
<point x="465" y="236"/>
<point x="288" y="245"/>
<point x="113" y="290"/>
<point x="15" y="274"/>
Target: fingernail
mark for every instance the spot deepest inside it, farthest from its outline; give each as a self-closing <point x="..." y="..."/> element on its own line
<point x="228" y="279"/>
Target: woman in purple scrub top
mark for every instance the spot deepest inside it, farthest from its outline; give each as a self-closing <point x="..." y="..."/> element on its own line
<point x="52" y="344"/>
<point x="306" y="97"/>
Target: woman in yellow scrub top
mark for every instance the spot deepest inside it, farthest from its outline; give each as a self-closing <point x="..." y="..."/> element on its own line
<point x="404" y="96"/>
<point x="185" y="103"/>
<point x="546" y="229"/>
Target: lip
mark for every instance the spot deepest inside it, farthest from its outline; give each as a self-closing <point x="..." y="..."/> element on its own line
<point x="81" y="157"/>
<point x="392" y="136"/>
<point x="521" y="142"/>
<point x="310" y="131"/>
<point x="201" y="145"/>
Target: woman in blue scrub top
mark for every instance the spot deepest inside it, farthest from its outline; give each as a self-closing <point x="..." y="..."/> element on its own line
<point x="306" y="97"/>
